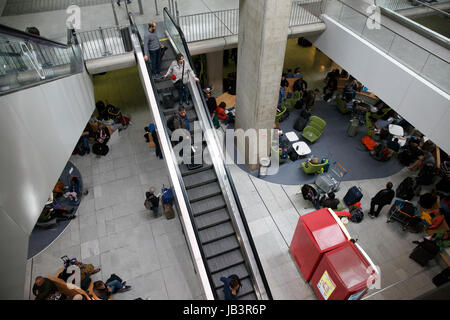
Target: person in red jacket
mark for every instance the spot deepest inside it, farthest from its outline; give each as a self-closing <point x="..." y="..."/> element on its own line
<point x="221" y="113"/>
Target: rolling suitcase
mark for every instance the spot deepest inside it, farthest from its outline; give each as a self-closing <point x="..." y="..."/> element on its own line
<point x="353" y="196"/>
<point x="353" y="127"/>
<point x="168" y="211"/>
<point x="326" y="183"/>
<point x="330" y="180"/>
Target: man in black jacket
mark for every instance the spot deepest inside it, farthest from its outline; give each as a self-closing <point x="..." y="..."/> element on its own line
<point x="382" y="198"/>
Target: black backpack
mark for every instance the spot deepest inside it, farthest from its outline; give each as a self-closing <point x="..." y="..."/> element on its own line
<point x="426" y="175"/>
<point x="405" y="157"/>
<point x="405" y="189"/>
<point x="297" y="85"/>
<point x="300" y="124"/>
<point x="170" y="124"/>
<point x="293" y="155"/>
<point x="356" y="214"/>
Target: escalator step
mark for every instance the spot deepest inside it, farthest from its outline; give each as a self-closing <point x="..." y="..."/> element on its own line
<point x="240" y="270"/>
<point x="246" y="292"/>
<point x="222" y="263"/>
<point x="216" y="233"/>
<point x="211" y="219"/>
<point x="200" y="178"/>
<point x="186" y="172"/>
<point x="203" y="192"/>
<point x="208" y="205"/>
<point x="215" y="248"/>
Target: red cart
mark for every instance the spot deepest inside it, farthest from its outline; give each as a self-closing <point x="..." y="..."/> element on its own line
<point x="317" y="232"/>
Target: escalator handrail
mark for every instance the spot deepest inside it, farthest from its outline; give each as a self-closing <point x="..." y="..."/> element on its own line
<point x="180" y="179"/>
<point x="30" y="37"/>
<point x="233" y="188"/>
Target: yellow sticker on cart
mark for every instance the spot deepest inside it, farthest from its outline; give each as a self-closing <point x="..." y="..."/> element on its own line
<point x="326" y="286"/>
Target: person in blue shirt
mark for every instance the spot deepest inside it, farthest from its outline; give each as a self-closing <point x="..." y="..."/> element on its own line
<point x="230" y="288"/>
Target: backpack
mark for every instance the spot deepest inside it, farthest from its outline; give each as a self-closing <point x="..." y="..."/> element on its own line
<point x="368" y="142"/>
<point x="293" y="155"/>
<point x="100" y="149"/>
<point x="300" y="124"/>
<point x="426" y="175"/>
<point x="167" y="196"/>
<point x="405" y="189"/>
<point x="297" y="85"/>
<point x="299" y="104"/>
<point x="356" y="214"/>
<point x="148" y="204"/>
<point x="170" y="124"/>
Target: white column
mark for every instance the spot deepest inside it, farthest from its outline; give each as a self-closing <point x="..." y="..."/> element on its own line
<point x="263" y="31"/>
<point x="214" y="62"/>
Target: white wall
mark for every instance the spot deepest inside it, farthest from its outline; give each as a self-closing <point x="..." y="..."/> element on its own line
<point x="421" y="103"/>
<point x="39" y="129"/>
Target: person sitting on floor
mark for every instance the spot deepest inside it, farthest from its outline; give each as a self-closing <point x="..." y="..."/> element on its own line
<point x="210" y="101"/>
<point x="74" y="192"/>
<point x="393" y="145"/>
<point x="44" y="289"/>
<point x="427" y="158"/>
<point x="309" y="193"/>
<point x="86" y="270"/>
<point x="103" y="134"/>
<point x="222" y="114"/>
<point x="112" y="285"/>
<point x="329" y="201"/>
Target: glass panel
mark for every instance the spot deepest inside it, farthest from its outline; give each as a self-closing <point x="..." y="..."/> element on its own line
<point x="434" y="19"/>
<point x="410" y="54"/>
<point x="437" y="71"/>
<point x="26" y="61"/>
<point x="174" y="34"/>
<point x="382" y="37"/>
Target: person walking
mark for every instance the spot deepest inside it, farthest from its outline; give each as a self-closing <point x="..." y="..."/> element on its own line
<point x="382" y="198"/>
<point x="181" y="71"/>
<point x="152" y="49"/>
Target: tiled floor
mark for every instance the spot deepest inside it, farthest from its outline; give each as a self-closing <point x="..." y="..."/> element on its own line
<point x="113" y="230"/>
<point x="273" y="210"/>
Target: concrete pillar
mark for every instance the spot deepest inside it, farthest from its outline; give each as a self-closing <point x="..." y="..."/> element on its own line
<point x="263" y="31"/>
<point x="214" y="62"/>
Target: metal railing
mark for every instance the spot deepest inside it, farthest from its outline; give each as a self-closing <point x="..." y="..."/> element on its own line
<point x="102" y="42"/>
<point x="404" y="4"/>
<point x="418" y="59"/>
<point x="16" y="7"/>
<point x="27" y="60"/>
<point x="216" y="24"/>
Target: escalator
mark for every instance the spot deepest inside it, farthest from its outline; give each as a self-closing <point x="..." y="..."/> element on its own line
<point x="221" y="231"/>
